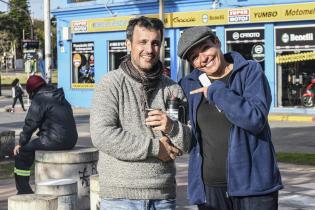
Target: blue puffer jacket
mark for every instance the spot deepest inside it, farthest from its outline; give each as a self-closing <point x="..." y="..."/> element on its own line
<point x="251" y="163"/>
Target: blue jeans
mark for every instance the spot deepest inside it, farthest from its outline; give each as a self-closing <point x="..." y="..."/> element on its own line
<point x="125" y="204"/>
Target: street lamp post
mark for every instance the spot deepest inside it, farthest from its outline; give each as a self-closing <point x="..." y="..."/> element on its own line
<point x="161" y="17"/>
<point x="47" y="40"/>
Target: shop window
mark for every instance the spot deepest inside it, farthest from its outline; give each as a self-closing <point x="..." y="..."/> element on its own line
<point x="248" y="42"/>
<point x="83" y="65"/>
<point x="295" y="59"/>
<point x="295" y="71"/>
<point x="117" y="50"/>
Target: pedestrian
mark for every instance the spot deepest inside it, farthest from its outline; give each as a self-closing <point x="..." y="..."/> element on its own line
<point x="49" y="113"/>
<point x="137" y="151"/>
<point x="17" y="93"/>
<point x="232" y="161"/>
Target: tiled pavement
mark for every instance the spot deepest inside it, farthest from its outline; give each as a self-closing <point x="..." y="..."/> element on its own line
<point x="298" y="194"/>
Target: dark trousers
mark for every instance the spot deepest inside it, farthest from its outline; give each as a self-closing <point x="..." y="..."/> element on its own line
<point x="23" y="162"/>
<point x="20" y="99"/>
<point x="217" y="199"/>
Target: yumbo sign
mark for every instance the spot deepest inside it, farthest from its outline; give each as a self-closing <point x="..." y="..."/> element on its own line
<point x="295" y="38"/>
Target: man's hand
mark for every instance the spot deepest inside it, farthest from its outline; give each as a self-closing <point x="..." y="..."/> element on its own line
<point x="203" y="90"/>
<point x="16" y="149"/>
<point x="167" y="150"/>
<point x="159" y="121"/>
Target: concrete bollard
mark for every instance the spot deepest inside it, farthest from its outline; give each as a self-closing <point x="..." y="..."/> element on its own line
<point x="95" y="192"/>
<point x="65" y="189"/>
<point x="32" y="201"/>
<point x="78" y="164"/>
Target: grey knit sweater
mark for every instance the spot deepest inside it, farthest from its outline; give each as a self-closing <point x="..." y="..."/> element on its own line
<point x="128" y="165"/>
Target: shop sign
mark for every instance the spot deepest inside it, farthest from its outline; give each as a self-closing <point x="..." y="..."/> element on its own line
<point x="272" y="13"/>
<point x="198" y="18"/>
<point x="295" y="57"/>
<point x="286" y="12"/>
<point x="238" y="36"/>
<point x="238" y="16"/>
<point x="295" y="38"/>
<point x="117" y="46"/>
<point x="258" y="52"/>
<point x="79" y="26"/>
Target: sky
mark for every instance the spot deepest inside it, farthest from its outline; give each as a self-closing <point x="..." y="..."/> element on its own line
<point x="36" y="7"/>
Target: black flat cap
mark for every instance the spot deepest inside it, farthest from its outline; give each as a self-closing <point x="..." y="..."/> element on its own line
<point x="191" y="37"/>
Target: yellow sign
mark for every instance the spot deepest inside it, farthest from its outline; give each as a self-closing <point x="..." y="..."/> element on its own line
<point x="295" y="57"/>
<point x="273" y="13"/>
<point x="172" y="20"/>
<point x="289" y="12"/>
<point x="83" y="85"/>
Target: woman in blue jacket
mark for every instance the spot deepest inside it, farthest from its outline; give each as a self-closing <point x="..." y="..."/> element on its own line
<point x="232" y="164"/>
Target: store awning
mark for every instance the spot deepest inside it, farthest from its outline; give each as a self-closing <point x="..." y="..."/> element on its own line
<point x="295" y="57"/>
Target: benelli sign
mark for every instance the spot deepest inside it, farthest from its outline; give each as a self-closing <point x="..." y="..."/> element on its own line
<point x="302" y="37"/>
<point x="297" y="37"/>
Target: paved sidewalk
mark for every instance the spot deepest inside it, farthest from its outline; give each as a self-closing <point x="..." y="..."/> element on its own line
<point x="298" y="194"/>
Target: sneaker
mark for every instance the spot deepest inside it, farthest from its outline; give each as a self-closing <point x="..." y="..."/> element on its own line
<point x="12" y="110"/>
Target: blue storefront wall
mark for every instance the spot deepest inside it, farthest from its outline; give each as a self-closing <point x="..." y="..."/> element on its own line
<point x="82" y="97"/>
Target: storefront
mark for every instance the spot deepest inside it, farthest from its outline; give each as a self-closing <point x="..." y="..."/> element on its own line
<point x="279" y="37"/>
<point x="295" y="51"/>
<point x="248" y="42"/>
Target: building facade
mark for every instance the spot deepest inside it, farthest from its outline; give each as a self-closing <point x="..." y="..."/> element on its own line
<point x="280" y="36"/>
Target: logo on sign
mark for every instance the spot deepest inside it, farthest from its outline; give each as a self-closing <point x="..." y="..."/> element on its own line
<point x="258" y="52"/>
<point x="238" y="16"/>
<point x="205" y="18"/>
<point x="236" y="35"/>
<point x="285" y="38"/>
<point x="79" y="26"/>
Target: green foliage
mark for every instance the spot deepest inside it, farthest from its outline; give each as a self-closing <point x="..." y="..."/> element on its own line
<point x="6" y="79"/>
<point x="296" y="158"/>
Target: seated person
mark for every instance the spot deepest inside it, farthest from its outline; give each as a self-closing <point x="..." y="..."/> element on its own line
<point x="52" y="115"/>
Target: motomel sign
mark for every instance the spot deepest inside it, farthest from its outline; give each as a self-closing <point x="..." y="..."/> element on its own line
<point x="237" y="36"/>
<point x="295" y="38"/>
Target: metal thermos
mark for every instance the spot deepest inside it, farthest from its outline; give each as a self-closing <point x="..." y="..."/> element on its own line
<point x="172" y="108"/>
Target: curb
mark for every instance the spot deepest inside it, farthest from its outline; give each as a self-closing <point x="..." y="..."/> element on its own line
<point x="292" y="118"/>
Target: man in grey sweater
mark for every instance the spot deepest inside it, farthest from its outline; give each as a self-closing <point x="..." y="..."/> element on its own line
<point x="137" y="150"/>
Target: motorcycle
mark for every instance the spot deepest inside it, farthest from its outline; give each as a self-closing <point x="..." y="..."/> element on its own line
<point x="308" y="97"/>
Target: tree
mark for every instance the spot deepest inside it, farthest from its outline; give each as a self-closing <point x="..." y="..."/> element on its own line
<point x="19" y="19"/>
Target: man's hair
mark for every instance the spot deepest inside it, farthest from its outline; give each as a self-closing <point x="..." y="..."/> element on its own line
<point x="146" y="22"/>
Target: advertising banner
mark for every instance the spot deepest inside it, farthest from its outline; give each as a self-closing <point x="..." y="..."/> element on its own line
<point x="83" y="65"/>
